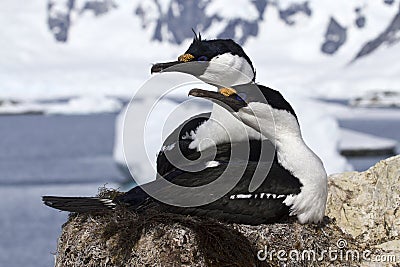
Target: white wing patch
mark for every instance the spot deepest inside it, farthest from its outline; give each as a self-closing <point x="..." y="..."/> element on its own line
<point x="168" y="148"/>
<point x="212" y="164"/>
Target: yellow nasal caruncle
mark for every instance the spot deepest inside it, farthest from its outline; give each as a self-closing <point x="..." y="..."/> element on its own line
<point x="227" y="91"/>
<point x="185" y="58"/>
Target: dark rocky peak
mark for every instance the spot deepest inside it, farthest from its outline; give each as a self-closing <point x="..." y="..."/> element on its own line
<point x="335" y="37"/>
<point x="389" y="36"/>
<point x="193" y="14"/>
<point x="287" y="14"/>
<point x="59" y="14"/>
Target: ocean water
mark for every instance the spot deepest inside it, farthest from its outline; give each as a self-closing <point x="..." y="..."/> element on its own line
<point x="48" y="155"/>
<point x="382" y="127"/>
<point x="57" y="149"/>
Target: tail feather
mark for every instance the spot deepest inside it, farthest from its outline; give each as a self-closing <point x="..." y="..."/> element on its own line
<point x="79" y="204"/>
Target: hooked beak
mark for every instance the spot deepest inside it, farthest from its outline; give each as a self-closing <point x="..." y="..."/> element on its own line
<point x="233" y="101"/>
<point x="159" y="67"/>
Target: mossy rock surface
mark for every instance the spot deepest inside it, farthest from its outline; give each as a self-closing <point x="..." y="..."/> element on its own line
<point x="123" y="238"/>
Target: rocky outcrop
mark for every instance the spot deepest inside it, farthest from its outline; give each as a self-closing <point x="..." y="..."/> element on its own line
<point x="159" y="239"/>
<point x="362" y="225"/>
<point x="389" y="36"/>
<point x="60" y="13"/>
<point x="335" y="37"/>
<point x="367" y="205"/>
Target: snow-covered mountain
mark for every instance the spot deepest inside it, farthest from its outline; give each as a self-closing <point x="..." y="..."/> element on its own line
<point x="172" y="20"/>
<point x="60" y="48"/>
<point x="60" y="13"/>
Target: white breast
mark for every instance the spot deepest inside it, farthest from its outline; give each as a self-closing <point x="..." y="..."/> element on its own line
<point x="222" y="127"/>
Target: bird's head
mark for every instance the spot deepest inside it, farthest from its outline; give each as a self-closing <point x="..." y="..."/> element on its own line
<point x="259" y="107"/>
<point x="221" y="62"/>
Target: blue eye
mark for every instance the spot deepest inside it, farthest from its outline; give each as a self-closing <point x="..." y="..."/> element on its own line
<point x="241" y="96"/>
<point x="202" y="58"/>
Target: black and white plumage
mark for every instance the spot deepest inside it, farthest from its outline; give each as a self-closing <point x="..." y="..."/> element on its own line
<point x="220" y="62"/>
<point x="271" y="115"/>
<point x="296" y="182"/>
<point x="294" y="186"/>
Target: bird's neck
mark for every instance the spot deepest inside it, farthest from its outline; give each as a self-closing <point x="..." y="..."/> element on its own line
<point x="221" y="128"/>
<point x="295" y="155"/>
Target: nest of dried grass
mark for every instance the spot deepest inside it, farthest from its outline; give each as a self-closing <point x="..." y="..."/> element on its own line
<point x="155" y="238"/>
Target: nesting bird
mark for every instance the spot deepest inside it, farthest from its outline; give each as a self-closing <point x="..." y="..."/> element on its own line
<point x="243" y="114"/>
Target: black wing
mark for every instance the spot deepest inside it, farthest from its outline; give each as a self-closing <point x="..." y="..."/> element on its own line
<point x="178" y="141"/>
<point x="264" y="205"/>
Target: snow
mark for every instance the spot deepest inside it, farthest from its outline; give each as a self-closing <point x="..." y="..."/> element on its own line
<point x="353" y="140"/>
<point x="164" y="4"/>
<point x="289" y="58"/>
<point x="10" y="107"/>
<point x="286" y="57"/>
<point x="74" y="106"/>
<point x="387" y="99"/>
<point x="35" y="66"/>
<point x="247" y="10"/>
<point x="85" y="105"/>
<point x="350" y="113"/>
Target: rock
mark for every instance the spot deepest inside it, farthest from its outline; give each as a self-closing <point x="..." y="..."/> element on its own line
<point x="387" y="37"/>
<point x="60" y="14"/>
<point x="335" y="37"/>
<point x="367" y="205"/>
<point x="363" y="224"/>
<point x="159" y="239"/>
